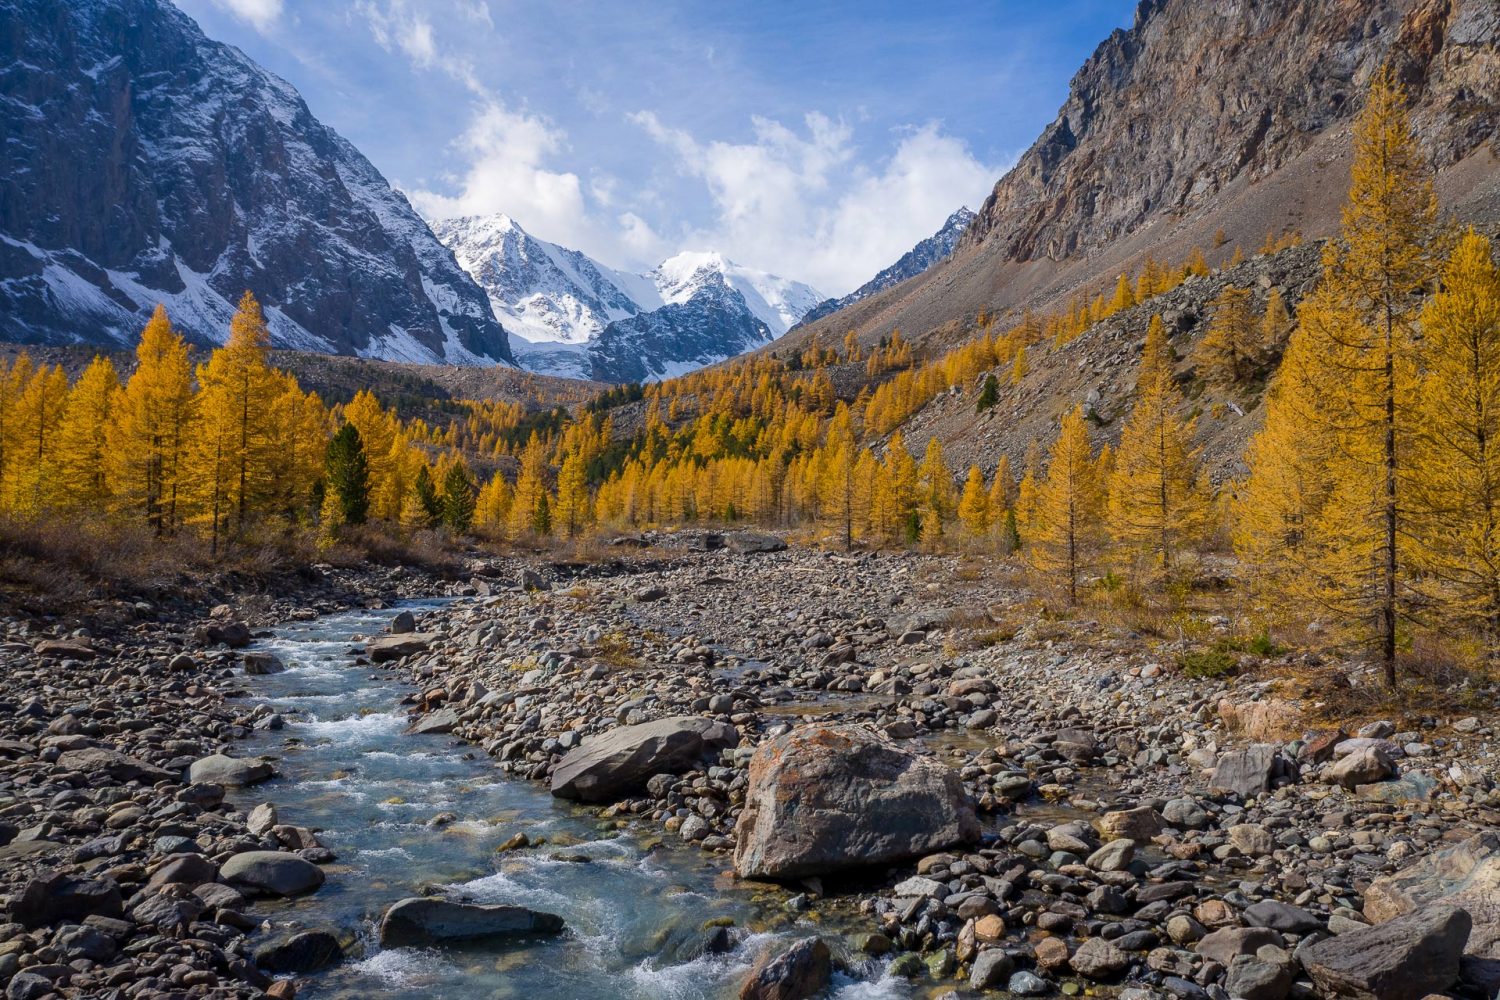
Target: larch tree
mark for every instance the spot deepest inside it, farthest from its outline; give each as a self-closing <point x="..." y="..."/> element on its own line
<point x="231" y="451"/>
<point x="1002" y="488"/>
<point x="492" y="510"/>
<point x="1156" y="502"/>
<point x="1124" y="296"/>
<point x="38" y="416"/>
<point x="531" y="489"/>
<point x="1275" y="322"/>
<point x="150" y="432"/>
<point x="1367" y="369"/>
<point x="1064" y="533"/>
<point x="13" y="380"/>
<point x="82" y="439"/>
<point x="574" y="511"/>
<point x="1455" y="497"/>
<point x="1230" y="350"/>
<point x="974" y="505"/>
<point x="935" y="483"/>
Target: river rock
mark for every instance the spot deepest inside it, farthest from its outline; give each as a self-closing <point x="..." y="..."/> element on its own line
<point x="1248" y="772"/>
<point x="276" y="873"/>
<point x="1137" y="825"/>
<point x="1097" y="958"/>
<point x="1465" y="875"/>
<point x="1227" y="943"/>
<point x="54" y="896"/>
<point x="393" y="647"/>
<point x="801" y="971"/>
<point x="111" y="764"/>
<point x="259" y="664"/>
<point x="420" y="921"/>
<point x="618" y="762"/>
<point x="750" y="542"/>
<point x="403" y="623"/>
<point x="1358" y="768"/>
<point x="303" y="951"/>
<point x="222" y="769"/>
<point x="828" y="797"/>
<point x="442" y="721"/>
<point x="1403" y="959"/>
<point x="235" y="635"/>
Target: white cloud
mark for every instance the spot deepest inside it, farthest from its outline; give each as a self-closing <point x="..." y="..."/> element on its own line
<point x="260" y="13"/>
<point x="397" y="27"/>
<point x="507" y="154"/>
<point x="802" y="204"/>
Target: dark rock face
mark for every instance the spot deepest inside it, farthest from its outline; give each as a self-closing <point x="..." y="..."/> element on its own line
<point x="616" y="763"/>
<point x="802" y="971"/>
<point x="826" y="798"/>
<point x="418" y="921"/>
<point x="933" y="250"/>
<point x="144" y="163"/>
<point x="1148" y="129"/>
<point x="55" y="896"/>
<point x="714" y="324"/>
<point x="1403" y="959"/>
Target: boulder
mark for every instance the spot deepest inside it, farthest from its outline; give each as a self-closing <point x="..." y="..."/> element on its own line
<point x="1465" y="875"/>
<point x="183" y="869"/>
<point x="235" y="635"/>
<point x="619" y="762"/>
<point x="1406" y="958"/>
<point x="1282" y="917"/>
<point x="991" y="969"/>
<point x="828" y="797"/>
<point x="112" y="764"/>
<point x="258" y="664"/>
<point x="303" y="951"/>
<point x="1359" y="768"/>
<point x="394" y="647"/>
<point x="222" y="769"/>
<point x="64" y="649"/>
<point x="52" y="897"/>
<point x="275" y="873"/>
<point x="1246" y="773"/>
<point x="1227" y="943"/>
<point x="1137" y="825"/>
<point x="1097" y="958"/>
<point x="441" y="721"/>
<point x="403" y="623"/>
<point x="753" y="541"/>
<point x="801" y="971"/>
<point x="420" y="921"/>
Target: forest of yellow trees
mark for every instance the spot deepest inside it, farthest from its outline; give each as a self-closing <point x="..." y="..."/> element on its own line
<point x="1372" y="498"/>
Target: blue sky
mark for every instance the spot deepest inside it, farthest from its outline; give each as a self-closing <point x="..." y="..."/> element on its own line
<point x="815" y="140"/>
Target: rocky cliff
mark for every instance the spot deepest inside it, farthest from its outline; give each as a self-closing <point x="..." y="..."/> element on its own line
<point x="1233" y="116"/>
<point x="144" y="162"/>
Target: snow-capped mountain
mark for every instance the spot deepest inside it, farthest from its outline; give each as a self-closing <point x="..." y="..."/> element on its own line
<point x="145" y="163"/>
<point x="919" y="258"/>
<point x="571" y="315"/>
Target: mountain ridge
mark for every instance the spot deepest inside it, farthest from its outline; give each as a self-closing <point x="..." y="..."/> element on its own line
<point x="148" y="163"/>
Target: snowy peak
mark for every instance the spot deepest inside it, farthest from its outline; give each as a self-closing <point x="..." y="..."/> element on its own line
<point x="149" y="164"/>
<point x="572" y="315"/>
<point x="934" y="249"/>
<point x="777" y="302"/>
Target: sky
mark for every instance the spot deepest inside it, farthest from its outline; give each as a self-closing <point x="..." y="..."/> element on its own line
<point x="815" y="140"/>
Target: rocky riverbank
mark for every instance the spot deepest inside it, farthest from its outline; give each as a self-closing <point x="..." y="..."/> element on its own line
<point x="1012" y="803"/>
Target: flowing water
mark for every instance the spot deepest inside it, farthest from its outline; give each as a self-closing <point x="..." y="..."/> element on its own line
<point x="634" y="902"/>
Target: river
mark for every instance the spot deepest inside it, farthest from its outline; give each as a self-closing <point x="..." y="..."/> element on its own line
<point x="634" y="901"/>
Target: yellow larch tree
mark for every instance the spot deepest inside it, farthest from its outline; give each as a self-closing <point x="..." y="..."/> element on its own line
<point x="82" y="439"/>
<point x="1455" y="450"/>
<point x="230" y="454"/>
<point x="937" y="496"/>
<point x="530" y="494"/>
<point x="148" y="439"/>
<point x="574" y="513"/>
<point x="37" y="415"/>
<point x="1230" y="350"/>
<point x="1156" y="503"/>
<point x="13" y="380"/>
<point x="1367" y="369"/>
<point x="1065" y="530"/>
<point x="974" y="505"/>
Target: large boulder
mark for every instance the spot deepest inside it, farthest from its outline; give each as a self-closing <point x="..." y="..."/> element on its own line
<point x="53" y="896"/>
<point x="260" y="663"/>
<point x="754" y="541"/>
<point x="420" y="921"/>
<point x="299" y="951"/>
<point x="444" y="720"/>
<point x="1402" y="959"/>
<point x="828" y="797"/>
<point x="800" y="972"/>
<point x="1465" y="875"/>
<point x="1246" y="773"/>
<point x="614" y="764"/>
<point x="394" y="647"/>
<point x="222" y="769"/>
<point x="1359" y="768"/>
<point x="111" y="764"/>
<point x="275" y="873"/>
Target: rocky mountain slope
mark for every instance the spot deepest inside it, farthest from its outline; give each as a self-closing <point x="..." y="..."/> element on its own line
<point x="570" y="315"/>
<point x="1230" y="116"/>
<point x="933" y="250"/>
<point x="145" y="163"/>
